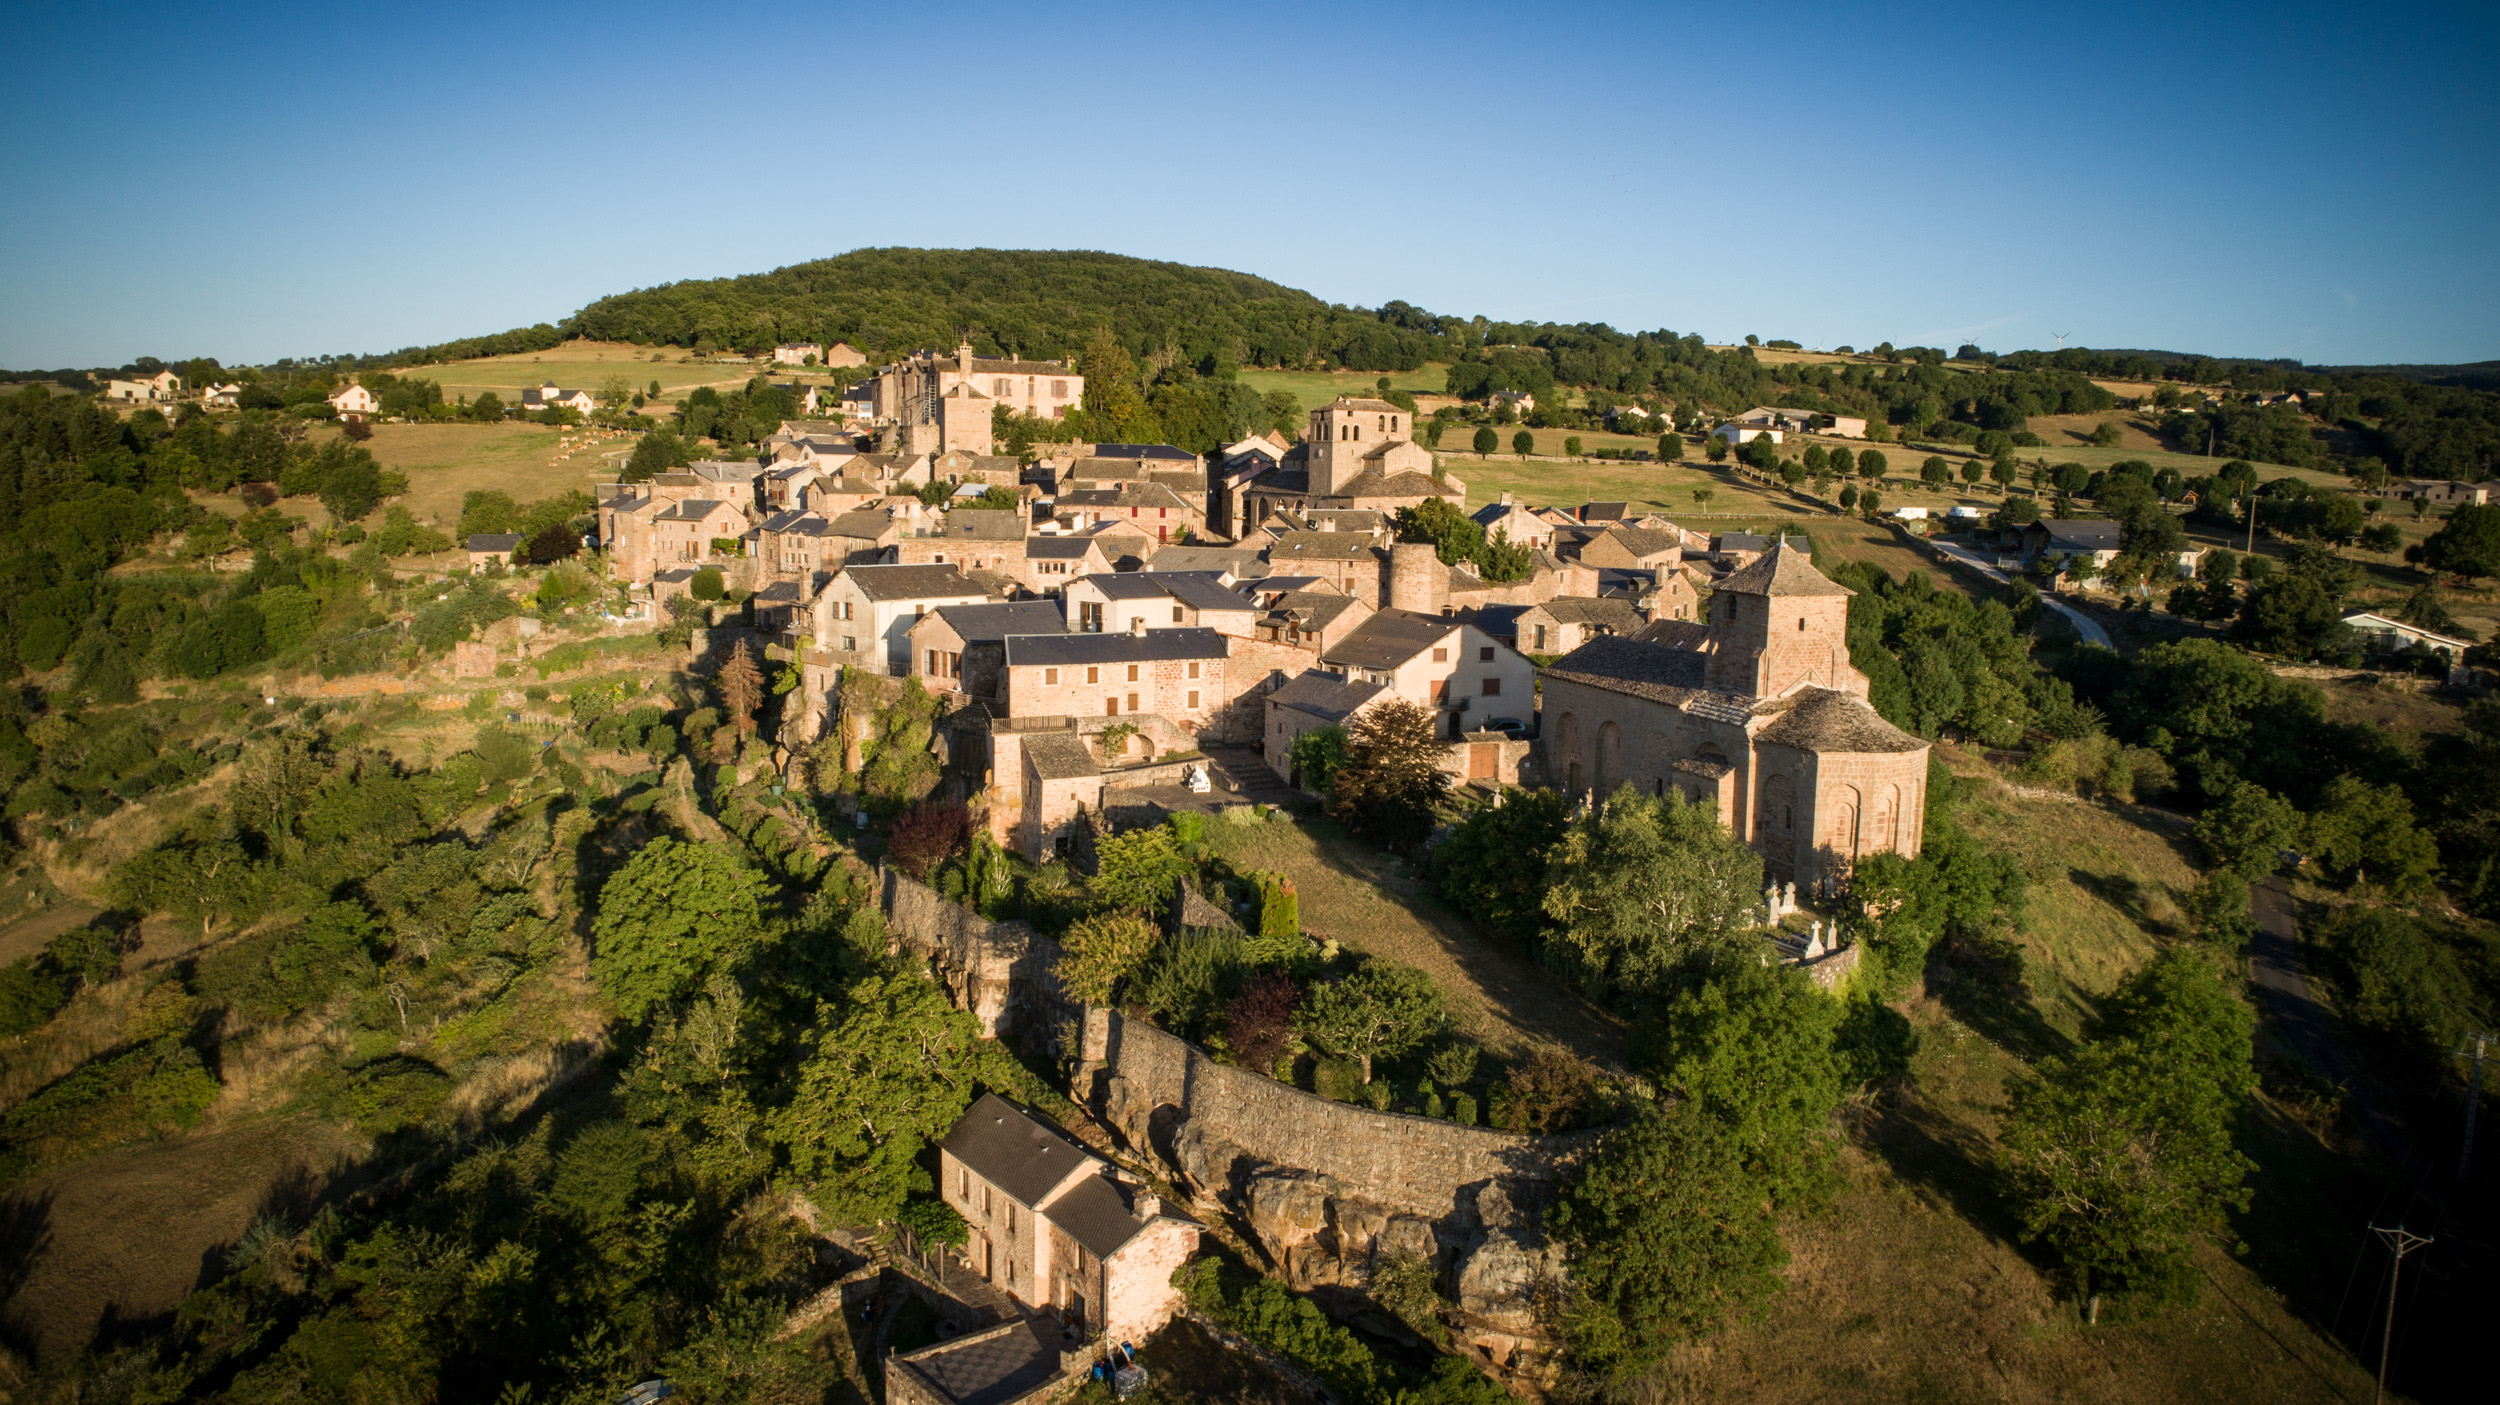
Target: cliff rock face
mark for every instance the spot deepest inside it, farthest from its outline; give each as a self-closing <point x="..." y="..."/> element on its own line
<point x="1329" y="1190"/>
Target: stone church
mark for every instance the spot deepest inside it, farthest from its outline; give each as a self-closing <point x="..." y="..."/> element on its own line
<point x="1356" y="453"/>
<point x="1757" y="710"/>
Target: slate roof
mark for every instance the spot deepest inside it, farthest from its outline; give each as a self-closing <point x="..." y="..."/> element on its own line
<point x="795" y="521"/>
<point x="1633" y="668"/>
<point x="1314" y="610"/>
<point x="1278" y="585"/>
<point x="1097" y="1215"/>
<point x="988" y="1369"/>
<point x="1605" y="511"/>
<point x="1643" y="541"/>
<point x="497" y="542"/>
<point x="911" y="582"/>
<point x="1390" y="638"/>
<point x="986" y="523"/>
<point x="866" y="524"/>
<point x="1617" y="615"/>
<point x="1284" y="479"/>
<point x="1060" y="756"/>
<point x="1128" y="585"/>
<point x="1129" y="494"/>
<point x="1143" y="451"/>
<point x="1242" y="562"/>
<point x="1153" y="646"/>
<point x="1783" y="570"/>
<point x="1739" y="541"/>
<point x="2084" y="534"/>
<point x="1362" y="402"/>
<point x="1012" y="1149"/>
<point x="1199" y="590"/>
<point x="1058" y="548"/>
<point x="987" y="624"/>
<point x="780" y="593"/>
<point x="1321" y="546"/>
<point x="692" y="510"/>
<point x="1675" y="634"/>
<point x="1825" y="720"/>
<point x="1500" y="621"/>
<point x="1328" y="698"/>
<point x="1372" y="483"/>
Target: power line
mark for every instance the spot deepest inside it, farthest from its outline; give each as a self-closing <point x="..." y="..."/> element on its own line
<point x="2400" y="1242"/>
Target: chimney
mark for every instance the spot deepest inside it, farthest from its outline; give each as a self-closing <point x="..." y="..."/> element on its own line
<point x="1137" y="626"/>
<point x="1149" y="1204"/>
<point x="963" y="359"/>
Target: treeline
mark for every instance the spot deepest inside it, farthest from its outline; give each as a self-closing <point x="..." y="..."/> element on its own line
<point x="1025" y="303"/>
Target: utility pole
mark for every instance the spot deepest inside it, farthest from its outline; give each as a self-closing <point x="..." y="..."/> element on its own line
<point x="2400" y="1242"/>
<point x="2473" y="1099"/>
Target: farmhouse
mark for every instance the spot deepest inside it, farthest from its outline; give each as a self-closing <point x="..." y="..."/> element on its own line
<point x="1122" y="601"/>
<point x="1438" y="662"/>
<point x="963" y="648"/>
<point x="1178" y="673"/>
<point x="354" y="402"/>
<point x="870" y="610"/>
<point x="1759" y="712"/>
<point x="492" y="549"/>
<point x="160" y="386"/>
<point x="1306" y="704"/>
<point x="550" y="396"/>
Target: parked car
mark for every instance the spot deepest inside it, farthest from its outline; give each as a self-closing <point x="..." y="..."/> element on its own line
<point x="1507" y="726"/>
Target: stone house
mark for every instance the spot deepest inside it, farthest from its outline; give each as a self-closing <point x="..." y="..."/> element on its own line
<point x="1566" y="622"/>
<point x="1758" y="711"/>
<point x="1350" y="561"/>
<point x="869" y="610"/>
<point x="1307" y="703"/>
<point x="1315" y="619"/>
<point x="797" y="353"/>
<point x="977" y="539"/>
<point x="988" y="470"/>
<point x="161" y="386"/>
<point x="1120" y="601"/>
<point x="684" y="532"/>
<point x="1508" y="518"/>
<point x="1440" y="662"/>
<point x="795" y="544"/>
<point x="1058" y="1228"/>
<point x="492" y="549"/>
<point x="1125" y="545"/>
<point x="736" y="483"/>
<point x="222" y="397"/>
<point x="940" y="402"/>
<point x="1062" y="782"/>
<point x="1050" y="562"/>
<point x="1179" y="673"/>
<point x="1356" y="453"/>
<point x="1152" y="508"/>
<point x="962" y="648"/>
<point x="1626" y="548"/>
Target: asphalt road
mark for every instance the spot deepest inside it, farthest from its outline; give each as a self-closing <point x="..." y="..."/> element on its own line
<point x="2311" y="1027"/>
<point x="2084" y="624"/>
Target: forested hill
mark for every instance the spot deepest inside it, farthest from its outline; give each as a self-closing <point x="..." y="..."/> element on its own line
<point x="1037" y="303"/>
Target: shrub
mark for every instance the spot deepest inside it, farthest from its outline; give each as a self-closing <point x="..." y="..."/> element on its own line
<point x="1340" y="1079"/>
<point x="926" y="835"/>
<point x="708" y="584"/>
<point x="1193" y="979"/>
<point x="1463" y="1109"/>
<point x="1259" y="1022"/>
<point x="1552" y="1092"/>
<point x="30" y="994"/>
<point x="1101" y="953"/>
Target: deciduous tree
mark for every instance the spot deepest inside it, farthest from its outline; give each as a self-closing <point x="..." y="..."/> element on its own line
<point x="1647" y="884"/>
<point x="675" y="913"/>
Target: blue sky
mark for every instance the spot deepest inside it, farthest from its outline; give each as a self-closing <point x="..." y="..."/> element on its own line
<point x="2238" y="179"/>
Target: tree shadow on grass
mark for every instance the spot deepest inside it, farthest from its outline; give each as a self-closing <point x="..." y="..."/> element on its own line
<point x="1946" y="1159"/>
<point x="1981" y="985"/>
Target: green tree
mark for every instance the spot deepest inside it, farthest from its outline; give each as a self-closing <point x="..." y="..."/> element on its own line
<point x="1668" y="1233"/>
<point x="1138" y="871"/>
<point x="2106" y="434"/>
<point x="2247" y="831"/>
<point x="1101" y="953"/>
<point x="2468" y="544"/>
<point x="1873" y="464"/>
<point x="1646" y="885"/>
<point x="1391" y="779"/>
<point x="1715" y="448"/>
<point x="2119" y="1155"/>
<point x="673" y="915"/>
<point x="1492" y="865"/>
<point x="708" y="584"/>
<point x="1571" y="445"/>
<point x="1671" y="447"/>
<point x="2364" y="832"/>
<point x="1523" y="443"/>
<point x="1383" y="1011"/>
<point x="1752" y="1047"/>
<point x="1487" y="440"/>
<point x="2218" y="909"/>
<point x="1316" y="757"/>
<point x="892" y="1073"/>
<point x="1935" y="473"/>
<point x="2292" y="614"/>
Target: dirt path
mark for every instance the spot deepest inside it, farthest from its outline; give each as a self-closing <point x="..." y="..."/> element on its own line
<point x="28" y="936"/>
<point x="116" y="1239"/>
<point x="1350" y="892"/>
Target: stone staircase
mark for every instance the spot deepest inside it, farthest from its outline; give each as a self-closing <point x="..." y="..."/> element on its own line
<point x="1244" y="771"/>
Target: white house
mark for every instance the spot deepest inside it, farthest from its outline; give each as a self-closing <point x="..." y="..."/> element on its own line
<point x="354" y="402"/>
<point x="871" y="609"/>
<point x="160" y="386"/>
<point x="551" y="396"/>
<point x="797" y="353"/>
<point x="2377" y="633"/>
<point x="222" y="397"/>
<point x="1438" y="662"/>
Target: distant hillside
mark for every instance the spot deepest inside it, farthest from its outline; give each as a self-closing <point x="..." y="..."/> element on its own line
<point x="2476" y="375"/>
<point x="1040" y="303"/>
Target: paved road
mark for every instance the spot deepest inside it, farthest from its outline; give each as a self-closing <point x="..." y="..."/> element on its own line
<point x="2311" y="1027"/>
<point x="2084" y="624"/>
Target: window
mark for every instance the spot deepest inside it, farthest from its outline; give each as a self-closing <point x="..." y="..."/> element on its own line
<point x="1011" y="1221"/>
<point x="1050" y="675"/>
<point x="1193" y="699"/>
<point x="1540" y="639"/>
<point x="1002" y="387"/>
<point x="1193" y="668"/>
<point x="1111" y="706"/>
<point x="1493" y="687"/>
<point x="1058" y="390"/>
<point x="1132" y="702"/>
<point x="1176" y="614"/>
<point x="1132" y="673"/>
<point x="1093" y="675"/>
<point x="933" y="663"/>
<point x="1441" y="655"/>
<point x="850" y="644"/>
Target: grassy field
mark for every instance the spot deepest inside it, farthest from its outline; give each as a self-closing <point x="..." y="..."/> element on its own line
<point x="584" y="364"/>
<point x="445" y="461"/>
